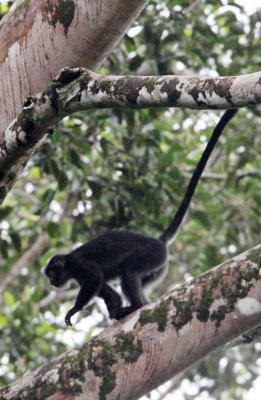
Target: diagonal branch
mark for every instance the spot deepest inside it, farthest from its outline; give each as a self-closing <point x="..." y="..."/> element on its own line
<point x="33" y="252"/>
<point x="156" y="342"/>
<point x="80" y="89"/>
<point x="26" y="259"/>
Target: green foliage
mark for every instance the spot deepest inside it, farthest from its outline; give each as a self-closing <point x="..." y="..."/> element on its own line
<point x="107" y="169"/>
<point x="25" y="336"/>
<point x="4" y="7"/>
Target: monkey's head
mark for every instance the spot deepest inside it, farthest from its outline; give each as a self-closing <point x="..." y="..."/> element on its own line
<point x="56" y="271"/>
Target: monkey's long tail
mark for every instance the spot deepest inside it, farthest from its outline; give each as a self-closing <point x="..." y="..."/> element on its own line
<point x="169" y="234"/>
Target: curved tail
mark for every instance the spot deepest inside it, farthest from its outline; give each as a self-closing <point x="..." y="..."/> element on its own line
<point x="169" y="234"/>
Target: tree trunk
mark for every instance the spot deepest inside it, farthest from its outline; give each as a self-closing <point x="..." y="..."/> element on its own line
<point x="40" y="37"/>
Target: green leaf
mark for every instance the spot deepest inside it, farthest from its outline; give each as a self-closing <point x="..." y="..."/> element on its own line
<point x="53" y="229"/>
<point x="4" y="8"/>
<point x="62" y="180"/>
<point x="16" y="240"/>
<point x="3" y="321"/>
<point x="4" y="212"/>
<point x="9" y="299"/>
<point x="188" y="32"/>
<point x="75" y="157"/>
<point x="48" y="196"/>
<point x="96" y="188"/>
<point x="45" y="328"/>
<point x="202" y="217"/>
<point x="4" y="248"/>
<point x="36" y="173"/>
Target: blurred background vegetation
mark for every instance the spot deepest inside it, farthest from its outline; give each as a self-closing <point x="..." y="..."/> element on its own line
<point x="123" y="168"/>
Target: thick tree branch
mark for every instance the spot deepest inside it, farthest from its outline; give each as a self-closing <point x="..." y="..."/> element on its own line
<point x="159" y="341"/>
<point x="79" y="89"/>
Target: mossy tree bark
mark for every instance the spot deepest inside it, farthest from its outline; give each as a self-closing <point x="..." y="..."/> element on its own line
<point x="150" y="346"/>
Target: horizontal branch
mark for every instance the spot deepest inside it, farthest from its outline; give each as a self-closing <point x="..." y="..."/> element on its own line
<point x="162" y="339"/>
<point x="80" y="89"/>
<point x="253" y="173"/>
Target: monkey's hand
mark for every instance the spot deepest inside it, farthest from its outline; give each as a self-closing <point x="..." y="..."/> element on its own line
<point x="69" y="315"/>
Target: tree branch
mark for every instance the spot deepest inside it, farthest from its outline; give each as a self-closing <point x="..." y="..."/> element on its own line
<point x="33" y="252"/>
<point x="155" y="343"/>
<point x="255" y="173"/>
<point x="80" y="89"/>
<point x="60" y="297"/>
<point x="27" y="258"/>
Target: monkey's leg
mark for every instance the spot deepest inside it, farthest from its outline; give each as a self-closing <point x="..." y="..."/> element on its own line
<point x="112" y="300"/>
<point x="131" y="287"/>
<point x="89" y="288"/>
<point x="155" y="277"/>
<point x="142" y="266"/>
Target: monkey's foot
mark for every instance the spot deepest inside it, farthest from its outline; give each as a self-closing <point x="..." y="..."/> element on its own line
<point x="123" y="312"/>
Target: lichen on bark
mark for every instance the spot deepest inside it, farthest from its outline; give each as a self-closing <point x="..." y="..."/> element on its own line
<point x="62" y="11"/>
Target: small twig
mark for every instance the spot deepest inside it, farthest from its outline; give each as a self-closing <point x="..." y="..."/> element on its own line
<point x="254" y="173"/>
<point x="193" y="6"/>
<point x="58" y="296"/>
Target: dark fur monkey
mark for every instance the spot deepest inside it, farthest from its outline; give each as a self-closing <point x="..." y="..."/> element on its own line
<point x="135" y="259"/>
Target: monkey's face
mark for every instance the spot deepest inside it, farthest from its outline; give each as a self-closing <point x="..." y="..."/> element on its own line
<point x="55" y="271"/>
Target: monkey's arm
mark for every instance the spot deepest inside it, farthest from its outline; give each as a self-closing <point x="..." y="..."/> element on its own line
<point x="112" y="300"/>
<point x="89" y="288"/>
